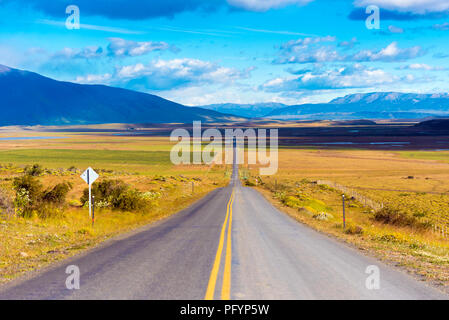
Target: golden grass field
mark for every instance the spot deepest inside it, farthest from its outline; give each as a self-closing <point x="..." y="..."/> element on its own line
<point x="419" y="185"/>
<point x="416" y="185"/>
<point x="142" y="162"/>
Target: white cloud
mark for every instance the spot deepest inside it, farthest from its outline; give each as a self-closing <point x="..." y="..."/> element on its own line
<point x="303" y="43"/>
<point x="84" y="53"/>
<point x="412" y="6"/>
<point x="264" y="5"/>
<point x="307" y="50"/>
<point x="131" y="71"/>
<point x="204" y="95"/>
<point x="420" y="66"/>
<point x="169" y="74"/>
<point x="394" y="29"/>
<point x="442" y="27"/>
<point x="182" y="70"/>
<point x="391" y="53"/>
<point x="348" y="44"/>
<point x="322" y="54"/>
<point x="94" y="78"/>
<point x="355" y="76"/>
<point x="119" y="47"/>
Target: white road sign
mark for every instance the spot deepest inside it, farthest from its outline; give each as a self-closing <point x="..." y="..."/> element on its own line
<point x="89" y="176"/>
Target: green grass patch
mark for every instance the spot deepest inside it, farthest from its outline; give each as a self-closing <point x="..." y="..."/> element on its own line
<point x="426" y="155"/>
<point x="99" y="158"/>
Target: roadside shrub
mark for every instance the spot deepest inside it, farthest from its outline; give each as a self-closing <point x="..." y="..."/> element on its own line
<point x="22" y="203"/>
<point x="31" y="200"/>
<point x="35" y="170"/>
<point x="57" y="194"/>
<point x="75" y="203"/>
<point x="28" y="192"/>
<point x="105" y="190"/>
<point x="291" y="202"/>
<point x="131" y="200"/>
<point x="393" y="216"/>
<point x="152" y="195"/>
<point x="419" y="214"/>
<point x="249" y="183"/>
<point x="317" y="205"/>
<point x="279" y="195"/>
<point x="323" y="216"/>
<point x="416" y="245"/>
<point x="85" y="231"/>
<point x="389" y="238"/>
<point x="118" y="195"/>
<point x="353" y="229"/>
<point x="325" y="187"/>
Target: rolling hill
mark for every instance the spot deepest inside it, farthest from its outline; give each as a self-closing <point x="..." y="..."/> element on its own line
<point x="28" y="98"/>
<point x="434" y="125"/>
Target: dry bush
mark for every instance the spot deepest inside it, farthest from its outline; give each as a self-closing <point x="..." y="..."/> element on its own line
<point x="57" y="195"/>
<point x="118" y="195"/>
<point x="353" y="229"/>
<point x="35" y="170"/>
<point x="32" y="200"/>
<point x="397" y="217"/>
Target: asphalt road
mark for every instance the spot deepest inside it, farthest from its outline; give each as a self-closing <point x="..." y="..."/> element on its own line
<point x="196" y="255"/>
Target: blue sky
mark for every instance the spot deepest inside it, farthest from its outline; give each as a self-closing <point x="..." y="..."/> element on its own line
<point x="199" y="52"/>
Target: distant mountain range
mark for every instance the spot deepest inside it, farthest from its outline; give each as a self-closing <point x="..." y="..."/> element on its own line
<point x="377" y="105"/>
<point x="257" y="110"/>
<point x="28" y="98"/>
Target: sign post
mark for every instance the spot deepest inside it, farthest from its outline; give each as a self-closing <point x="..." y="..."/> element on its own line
<point x="344" y="213"/>
<point x="90" y="176"/>
<point x="93" y="211"/>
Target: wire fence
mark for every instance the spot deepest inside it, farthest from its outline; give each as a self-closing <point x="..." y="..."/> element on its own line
<point x="440" y="230"/>
<point x="367" y="202"/>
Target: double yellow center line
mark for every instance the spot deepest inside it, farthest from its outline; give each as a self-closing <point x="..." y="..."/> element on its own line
<point x="226" y="287"/>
